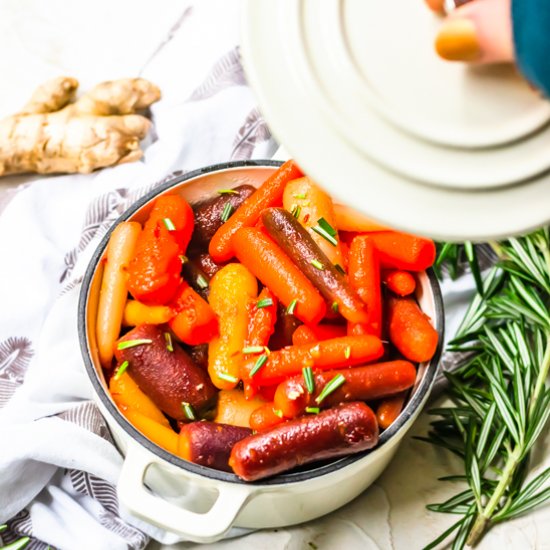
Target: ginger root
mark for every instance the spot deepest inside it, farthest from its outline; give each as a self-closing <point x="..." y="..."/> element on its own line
<point x="52" y="135"/>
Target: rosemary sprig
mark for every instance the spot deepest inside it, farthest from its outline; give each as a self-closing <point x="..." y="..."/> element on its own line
<point x="501" y="399"/>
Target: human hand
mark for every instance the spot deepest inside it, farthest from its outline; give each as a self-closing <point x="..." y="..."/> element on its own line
<point x="479" y="31"/>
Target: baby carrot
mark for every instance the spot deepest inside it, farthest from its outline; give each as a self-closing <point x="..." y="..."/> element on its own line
<point x="313" y="208"/>
<point x="389" y="409"/>
<point x="265" y="417"/>
<point x="349" y="219"/>
<point x="234" y="409"/>
<point x="402" y="251"/>
<point x="159" y="434"/>
<point x="136" y="313"/>
<point x="262" y="317"/>
<point x="329" y="354"/>
<point x="112" y="297"/>
<point x="268" y="194"/>
<point x="399" y="282"/>
<point x="231" y="290"/>
<point x="276" y="271"/>
<point x="364" y="277"/>
<point x="410" y="330"/>
<point x="304" y="334"/>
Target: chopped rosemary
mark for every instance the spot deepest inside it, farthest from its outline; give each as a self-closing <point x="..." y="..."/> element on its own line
<point x="121" y="370"/>
<point x="133" y="343"/>
<point x="327" y="236"/>
<point x="296" y="211"/>
<point x="340" y="269"/>
<point x="228" y="377"/>
<point x="347" y="352"/>
<point x="308" y="379"/>
<point x="317" y="264"/>
<point x="169" y="224"/>
<point x="253" y="349"/>
<point x="264" y="302"/>
<point x="292" y="307"/>
<point x="313" y="410"/>
<point x="299" y="195"/>
<point x="168" y="338"/>
<point x="334" y="307"/>
<point x="278" y="412"/>
<point x="228" y="192"/>
<point x="188" y="411"/>
<point x="330" y="387"/>
<point x="227" y="211"/>
<point x="327" y="227"/>
<point x="260" y="362"/>
<point x="202" y="282"/>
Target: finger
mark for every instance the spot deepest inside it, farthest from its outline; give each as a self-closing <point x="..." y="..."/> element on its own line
<point x="479" y="31"/>
<point x="51" y="96"/>
<point x="118" y="97"/>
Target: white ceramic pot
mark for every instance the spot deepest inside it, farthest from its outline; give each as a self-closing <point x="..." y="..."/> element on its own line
<point x="201" y="504"/>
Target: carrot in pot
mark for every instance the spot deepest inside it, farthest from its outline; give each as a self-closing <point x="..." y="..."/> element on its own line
<point x="231" y="290"/>
<point x="410" y="330"/>
<point x="136" y="313"/>
<point x="304" y="334"/>
<point x="159" y="434"/>
<point x="233" y="408"/>
<point x="195" y="321"/>
<point x="276" y="271"/>
<point x="328" y="354"/>
<point x="285" y="327"/>
<point x="389" y="409"/>
<point x="364" y="277"/>
<point x="296" y="242"/>
<point x="349" y="219"/>
<point x="313" y="208"/>
<point x="262" y="318"/>
<point x="269" y="193"/>
<point x="113" y="293"/>
<point x="265" y="417"/>
<point x="354" y="384"/>
<point x="403" y="251"/>
<point x="196" y="277"/>
<point x="400" y="282"/>
<point x="207" y="264"/>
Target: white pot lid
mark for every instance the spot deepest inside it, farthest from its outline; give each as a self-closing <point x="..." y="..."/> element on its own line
<point x="356" y="93"/>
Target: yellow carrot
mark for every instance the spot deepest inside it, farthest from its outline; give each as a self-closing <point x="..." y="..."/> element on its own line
<point x="112" y="297"/>
<point x="231" y="290"/>
<point x="349" y="219"/>
<point x="136" y="313"/>
<point x="161" y="435"/>
<point x="235" y="409"/>
<point x="310" y="203"/>
<point x="127" y="395"/>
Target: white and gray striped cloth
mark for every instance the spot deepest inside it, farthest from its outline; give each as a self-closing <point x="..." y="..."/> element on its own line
<point x="58" y="463"/>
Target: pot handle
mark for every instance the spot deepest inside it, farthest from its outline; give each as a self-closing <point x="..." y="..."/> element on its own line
<point x="207" y="527"/>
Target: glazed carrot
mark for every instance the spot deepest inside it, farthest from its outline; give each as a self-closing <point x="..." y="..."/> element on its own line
<point x="159" y="434"/>
<point x="154" y="272"/>
<point x="268" y="194"/>
<point x="207" y="264"/>
<point x="298" y="245"/>
<point x="399" y="282"/>
<point x="328" y="354"/>
<point x="349" y="219"/>
<point x="262" y="318"/>
<point x="276" y="271"/>
<point x="410" y="330"/>
<point x="389" y="409"/>
<point x="360" y="384"/>
<point x="364" y="277"/>
<point x="304" y="334"/>
<point x="402" y="251"/>
<point x="136" y="313"/>
<point x="235" y="409"/>
<point x="195" y="322"/>
<point x="127" y="395"/>
<point x="309" y="204"/>
<point x="265" y="417"/>
<point x="231" y="290"/>
<point x="112" y="297"/>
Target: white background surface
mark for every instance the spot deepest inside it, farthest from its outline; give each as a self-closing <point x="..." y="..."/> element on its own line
<point x="106" y="39"/>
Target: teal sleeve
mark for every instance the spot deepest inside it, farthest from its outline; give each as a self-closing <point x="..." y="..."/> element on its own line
<point x="531" y="26"/>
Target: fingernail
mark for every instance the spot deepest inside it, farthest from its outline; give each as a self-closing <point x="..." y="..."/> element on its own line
<point x="457" y="40"/>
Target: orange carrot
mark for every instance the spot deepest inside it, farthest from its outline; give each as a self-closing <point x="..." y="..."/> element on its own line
<point x="349" y="219"/>
<point x="304" y="334"/>
<point x="265" y="417"/>
<point x="262" y="318"/>
<point x="328" y="354"/>
<point x="175" y="209"/>
<point x="195" y="322"/>
<point x="402" y="251"/>
<point x="268" y="194"/>
<point x="410" y="330"/>
<point x="136" y="313"/>
<point x="399" y="282"/>
<point x="389" y="409"/>
<point x="364" y="277"/>
<point x="231" y="290"/>
<point x="276" y="271"/>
